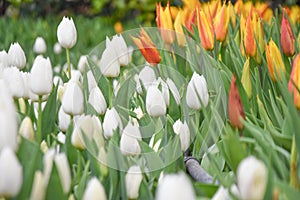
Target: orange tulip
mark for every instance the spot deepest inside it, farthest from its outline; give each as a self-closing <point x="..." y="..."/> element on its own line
<point x="179" y="22"/>
<point x="294" y="83"/>
<point x="221" y="23"/>
<point x="259" y="35"/>
<point x="147" y="48"/>
<point x="205" y="29"/>
<point x="249" y="41"/>
<point x="287" y="39"/>
<point x="164" y="23"/>
<point x="235" y="108"/>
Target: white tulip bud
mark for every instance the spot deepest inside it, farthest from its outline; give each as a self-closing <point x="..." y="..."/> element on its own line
<point x="27" y="92"/>
<point x="129" y="144"/>
<point x="91" y="80"/>
<point x="10" y="172"/>
<point x="39" y="46"/>
<point x="139" y="113"/>
<point x="97" y="100"/>
<point x="64" y="171"/>
<point x="164" y="89"/>
<point x="8" y="118"/>
<point x="174" y="90"/>
<point x="223" y="193"/>
<point x="72" y="100"/>
<point x="82" y="63"/>
<point x="4" y="58"/>
<point x="16" y="56"/>
<point x="116" y="86"/>
<point x="133" y="180"/>
<point x="102" y="161"/>
<point x="41" y="76"/>
<point x="57" y="81"/>
<point x="109" y="63"/>
<point x="66" y="33"/>
<point x="26" y="129"/>
<point x="14" y="81"/>
<point x="76" y="76"/>
<point x="155" y="102"/>
<point x="252" y="177"/>
<point x="176" y="187"/>
<point x="94" y="190"/>
<point x="111" y="122"/>
<point x="120" y="47"/>
<point x="147" y="77"/>
<point x="57" y="48"/>
<point x="61" y="137"/>
<point x="47" y="161"/>
<point x="38" y="190"/>
<point x="183" y="131"/>
<point x="63" y="120"/>
<point x="197" y="92"/>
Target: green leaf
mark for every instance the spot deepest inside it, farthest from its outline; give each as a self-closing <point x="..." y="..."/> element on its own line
<point x="206" y="190"/>
<point x="54" y="188"/>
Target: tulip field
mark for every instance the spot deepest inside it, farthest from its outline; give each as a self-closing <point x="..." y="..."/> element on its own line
<point x="202" y="102"/>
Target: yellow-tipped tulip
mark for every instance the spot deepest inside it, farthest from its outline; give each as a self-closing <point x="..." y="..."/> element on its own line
<point x="259" y="35"/>
<point x="221" y="23"/>
<point x="205" y="29"/>
<point x="294" y="83"/>
<point x="179" y="22"/>
<point x="246" y="81"/>
<point x="287" y="39"/>
<point x="274" y="60"/>
<point x="164" y="23"/>
<point x="232" y="14"/>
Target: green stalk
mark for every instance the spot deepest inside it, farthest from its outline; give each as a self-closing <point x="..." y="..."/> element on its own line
<point x="69" y="62"/>
<point x="110" y="92"/>
<point x="294" y="181"/>
<point x="39" y="121"/>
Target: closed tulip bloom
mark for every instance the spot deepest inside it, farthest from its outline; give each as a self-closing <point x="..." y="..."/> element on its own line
<point x="121" y="49"/>
<point x="94" y="190"/>
<point x="97" y="100"/>
<point x="26" y="129"/>
<point x="287" y="39"/>
<point x="274" y="60"/>
<point x="109" y="63"/>
<point x="129" y="144"/>
<point x="249" y="40"/>
<point x="63" y="120"/>
<point x="173" y="90"/>
<point x="164" y="23"/>
<point x="82" y="63"/>
<point x="39" y="46"/>
<point x="72" y="100"/>
<point x="246" y="79"/>
<point x="259" y="36"/>
<point x="57" y="48"/>
<point x="16" y="56"/>
<point x="221" y="23"/>
<point x="252" y="177"/>
<point x="235" y="108"/>
<point x="26" y="81"/>
<point x="146" y="77"/>
<point x="3" y="58"/>
<point x="41" y="78"/>
<point x="10" y="172"/>
<point x="38" y="190"/>
<point x="111" y="122"/>
<point x="13" y="78"/>
<point x="8" y="118"/>
<point x="294" y="81"/>
<point x="155" y="102"/>
<point x="164" y="89"/>
<point x="147" y="48"/>
<point x="66" y="33"/>
<point x="197" y="92"/>
<point x="175" y="186"/>
<point x="183" y="131"/>
<point x="205" y="29"/>
<point x="223" y="193"/>
<point x="64" y="171"/>
<point x="133" y="180"/>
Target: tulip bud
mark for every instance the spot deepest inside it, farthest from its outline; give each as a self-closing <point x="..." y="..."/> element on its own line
<point x="164" y="89"/>
<point x="66" y="33"/>
<point x="82" y="63"/>
<point x="97" y="100"/>
<point x="27" y="91"/>
<point x="64" y="171"/>
<point x="39" y="46"/>
<point x="274" y="60"/>
<point x="120" y="48"/>
<point x="175" y="186"/>
<point x="16" y="56"/>
<point x="129" y="144"/>
<point x="94" y="190"/>
<point x="164" y="23"/>
<point x="178" y="23"/>
<point x="91" y="80"/>
<point x="246" y="81"/>
<point x="287" y="39"/>
<point x="252" y="177"/>
<point x="133" y="180"/>
<point x="102" y="158"/>
<point x="183" y="131"/>
<point x="61" y="138"/>
<point x="10" y="172"/>
<point x="57" y="48"/>
<point x="38" y="190"/>
<point x="173" y="90"/>
<point x="26" y="129"/>
<point x="139" y="113"/>
<point x="63" y="120"/>
<point x="221" y="23"/>
<point x="72" y="100"/>
<point x="3" y="58"/>
<point x="57" y="81"/>
<point x="76" y="75"/>
<point x="197" y="92"/>
<point x="294" y="81"/>
<point x="147" y="77"/>
<point x="47" y="161"/>
<point x="111" y="122"/>
<point x="109" y="63"/>
<point x="223" y="193"/>
<point x="14" y="80"/>
<point x="235" y="108"/>
<point x="155" y="102"/>
<point x="205" y="29"/>
<point x="249" y="41"/>
<point x="41" y="79"/>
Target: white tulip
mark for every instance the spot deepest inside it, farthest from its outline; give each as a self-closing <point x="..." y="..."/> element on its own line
<point x="139" y="113"/>
<point x="47" y="161"/>
<point x="16" y="56"/>
<point x="252" y="177"/>
<point x="129" y="144"/>
<point x="63" y="120"/>
<point x="41" y="78"/>
<point x="82" y="63"/>
<point x="72" y="100"/>
<point x="174" y="90"/>
<point x="26" y="128"/>
<point x="223" y="193"/>
<point x="8" y="118"/>
<point x="164" y="89"/>
<point x="27" y="91"/>
<point x="197" y="92"/>
<point x="91" y="80"/>
<point x="155" y="102"/>
<point x="4" y="58"/>
<point x="38" y="190"/>
<point x="176" y="187"/>
<point x="39" y="46"/>
<point x="183" y="131"/>
<point x="64" y="171"/>
<point x="147" y="77"/>
<point x="133" y="180"/>
<point x="94" y="190"/>
<point x="120" y="47"/>
<point x="116" y="86"/>
<point x="97" y="100"/>
<point x="57" y="80"/>
<point x="111" y="122"/>
<point x="76" y="76"/>
<point x="61" y="138"/>
<point x="57" y="48"/>
<point x="66" y="33"/>
<point x="14" y="80"/>
<point x="10" y="172"/>
<point x="109" y="64"/>
<point x="44" y="147"/>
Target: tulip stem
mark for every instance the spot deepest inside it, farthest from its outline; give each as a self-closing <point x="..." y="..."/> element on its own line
<point x="294" y="181"/>
<point x="110" y="92"/>
<point x="69" y="62"/>
<point x="39" y="120"/>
